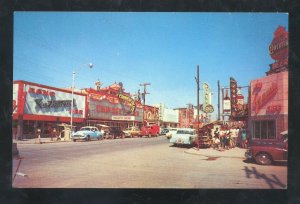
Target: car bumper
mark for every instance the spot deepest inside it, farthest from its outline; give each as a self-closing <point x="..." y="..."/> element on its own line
<point x="78" y="137"/>
<point x="248" y="155"/>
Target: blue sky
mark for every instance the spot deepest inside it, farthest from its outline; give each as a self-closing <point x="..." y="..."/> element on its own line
<point x="161" y="48"/>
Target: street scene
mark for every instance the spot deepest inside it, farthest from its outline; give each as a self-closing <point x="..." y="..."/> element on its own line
<point x="150" y="100"/>
<point x="139" y="163"/>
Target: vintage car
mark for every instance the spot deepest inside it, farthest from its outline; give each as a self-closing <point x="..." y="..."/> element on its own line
<point x="150" y="130"/>
<point x="132" y="132"/>
<point x="171" y="132"/>
<point x="164" y="131"/>
<point x="185" y="136"/>
<point x="266" y="152"/>
<point x="87" y="133"/>
<point x="115" y="132"/>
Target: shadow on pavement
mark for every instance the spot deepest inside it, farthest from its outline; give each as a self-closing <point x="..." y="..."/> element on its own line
<point x="272" y="180"/>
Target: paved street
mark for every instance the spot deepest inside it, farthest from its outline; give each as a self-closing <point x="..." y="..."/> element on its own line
<point x="140" y="163"/>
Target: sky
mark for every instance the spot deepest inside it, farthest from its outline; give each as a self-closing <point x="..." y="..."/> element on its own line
<point x="163" y="49"/>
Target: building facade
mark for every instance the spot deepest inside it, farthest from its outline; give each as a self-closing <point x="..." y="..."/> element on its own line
<point x="37" y="106"/>
<point x="269" y="95"/>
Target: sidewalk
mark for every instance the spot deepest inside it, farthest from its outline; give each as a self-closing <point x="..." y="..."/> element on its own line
<point x="210" y="152"/>
<point x="36" y="141"/>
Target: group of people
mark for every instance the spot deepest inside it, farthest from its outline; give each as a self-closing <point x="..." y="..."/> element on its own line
<point x="227" y="138"/>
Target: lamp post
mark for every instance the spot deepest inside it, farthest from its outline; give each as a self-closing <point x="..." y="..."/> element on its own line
<point x="90" y="65"/>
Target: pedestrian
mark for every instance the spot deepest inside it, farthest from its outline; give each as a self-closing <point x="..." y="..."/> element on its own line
<point x="216" y="142"/>
<point x="222" y="138"/>
<point x="227" y="139"/>
<point x="53" y="133"/>
<point x="244" y="138"/>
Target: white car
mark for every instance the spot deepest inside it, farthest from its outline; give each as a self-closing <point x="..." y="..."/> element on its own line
<point x="171" y="132"/>
<point x="186" y="136"/>
<point x="87" y="133"/>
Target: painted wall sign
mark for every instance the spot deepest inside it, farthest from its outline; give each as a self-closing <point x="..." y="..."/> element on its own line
<point x="273" y="109"/>
<point x="272" y="98"/>
<point x="104" y="109"/>
<point x="151" y="113"/>
<point x="52" y="102"/>
<point x="41" y="91"/>
<point x="260" y="100"/>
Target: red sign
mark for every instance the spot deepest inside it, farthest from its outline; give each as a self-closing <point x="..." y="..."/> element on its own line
<point x="41" y="91"/>
<point x="279" y="45"/>
<point x="274" y="109"/>
<point x="261" y="100"/>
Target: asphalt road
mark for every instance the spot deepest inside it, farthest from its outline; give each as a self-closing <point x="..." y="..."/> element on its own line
<point x="137" y="163"/>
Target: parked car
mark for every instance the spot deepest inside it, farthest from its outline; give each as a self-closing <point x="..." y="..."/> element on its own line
<point x="115" y="132"/>
<point x="266" y="152"/>
<point x="185" y="136"/>
<point x="164" y="131"/>
<point x="87" y="133"/>
<point x="132" y="132"/>
<point x="171" y="132"/>
<point x="150" y="130"/>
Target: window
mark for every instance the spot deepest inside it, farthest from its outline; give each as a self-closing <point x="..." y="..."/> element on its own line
<point x="264" y="129"/>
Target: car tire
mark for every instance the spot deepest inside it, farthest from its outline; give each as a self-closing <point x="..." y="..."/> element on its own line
<point x="88" y="138"/>
<point x="74" y="140"/>
<point x="263" y="159"/>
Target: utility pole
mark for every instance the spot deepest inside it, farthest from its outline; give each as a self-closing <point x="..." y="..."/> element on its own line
<point x="198" y="106"/>
<point x="144" y="97"/>
<point x="218" y="100"/>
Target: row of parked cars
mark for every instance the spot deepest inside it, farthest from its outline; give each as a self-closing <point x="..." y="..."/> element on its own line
<point x="91" y="132"/>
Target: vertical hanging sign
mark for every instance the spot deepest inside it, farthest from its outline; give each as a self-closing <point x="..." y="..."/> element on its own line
<point x="233" y="96"/>
<point x="207" y="107"/>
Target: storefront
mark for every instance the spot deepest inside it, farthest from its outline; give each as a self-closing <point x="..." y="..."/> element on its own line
<point x="269" y="106"/>
<point x="269" y="95"/>
<point x="112" y="107"/>
<point x="37" y="106"/>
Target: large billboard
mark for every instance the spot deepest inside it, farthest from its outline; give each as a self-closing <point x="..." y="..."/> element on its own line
<point x="106" y="109"/>
<point x="43" y="100"/>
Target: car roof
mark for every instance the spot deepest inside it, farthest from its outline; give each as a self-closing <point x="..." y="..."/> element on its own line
<point x="88" y="127"/>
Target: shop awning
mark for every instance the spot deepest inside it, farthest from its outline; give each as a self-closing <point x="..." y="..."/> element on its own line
<point x="284" y="132"/>
<point x="101" y="125"/>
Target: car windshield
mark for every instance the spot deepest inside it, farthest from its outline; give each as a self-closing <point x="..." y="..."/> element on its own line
<point x="86" y="128"/>
<point x="185" y="132"/>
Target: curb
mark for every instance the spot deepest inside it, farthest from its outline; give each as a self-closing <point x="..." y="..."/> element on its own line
<point x="206" y="155"/>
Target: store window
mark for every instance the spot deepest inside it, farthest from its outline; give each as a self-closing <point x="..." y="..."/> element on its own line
<point x="264" y="129"/>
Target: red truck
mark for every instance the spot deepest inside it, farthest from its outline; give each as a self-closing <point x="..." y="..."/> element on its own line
<point x="150" y="130"/>
<point x="267" y="152"/>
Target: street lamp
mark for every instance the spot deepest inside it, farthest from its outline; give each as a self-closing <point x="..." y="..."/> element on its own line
<point x="90" y="65"/>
